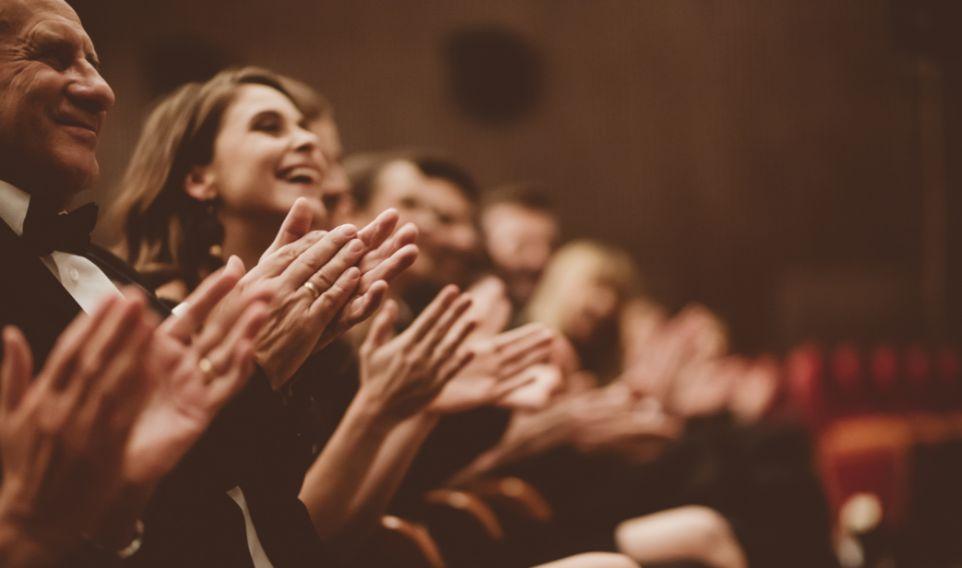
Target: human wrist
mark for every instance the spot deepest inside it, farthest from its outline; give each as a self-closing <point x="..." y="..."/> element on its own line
<point x="20" y="548"/>
<point x="23" y="545"/>
<point x="371" y="410"/>
<point x="122" y="525"/>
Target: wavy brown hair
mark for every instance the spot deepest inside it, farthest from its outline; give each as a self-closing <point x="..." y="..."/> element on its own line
<point x="167" y="234"/>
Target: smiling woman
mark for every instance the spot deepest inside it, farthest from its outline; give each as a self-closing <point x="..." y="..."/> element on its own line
<point x="218" y="167"/>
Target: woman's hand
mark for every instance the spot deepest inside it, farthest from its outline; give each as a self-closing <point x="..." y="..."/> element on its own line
<point x="324" y="283"/>
<point x="402" y="374"/>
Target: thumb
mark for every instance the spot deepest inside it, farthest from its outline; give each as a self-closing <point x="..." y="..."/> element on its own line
<point x="298" y="223"/>
<point x="382" y="328"/>
<point x="17" y="369"/>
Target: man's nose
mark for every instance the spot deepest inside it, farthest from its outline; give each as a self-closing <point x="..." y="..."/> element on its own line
<point x="90" y="91"/>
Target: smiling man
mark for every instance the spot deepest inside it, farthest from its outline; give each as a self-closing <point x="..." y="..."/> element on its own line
<point x="53" y="99"/>
<point x="53" y="102"/>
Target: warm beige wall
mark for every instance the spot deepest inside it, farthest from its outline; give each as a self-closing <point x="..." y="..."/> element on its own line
<point x="742" y="149"/>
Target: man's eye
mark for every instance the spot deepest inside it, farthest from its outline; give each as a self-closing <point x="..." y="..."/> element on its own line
<point x="56" y="59"/>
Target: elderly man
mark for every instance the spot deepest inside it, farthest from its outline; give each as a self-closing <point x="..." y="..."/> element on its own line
<point x="53" y="102"/>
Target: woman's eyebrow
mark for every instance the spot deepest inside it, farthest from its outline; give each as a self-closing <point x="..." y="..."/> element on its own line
<point x="266" y="113"/>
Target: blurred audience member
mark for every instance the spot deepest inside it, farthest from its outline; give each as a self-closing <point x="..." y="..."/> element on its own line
<point x="521" y="232"/>
<point x="440" y="198"/>
<point x="582" y="294"/>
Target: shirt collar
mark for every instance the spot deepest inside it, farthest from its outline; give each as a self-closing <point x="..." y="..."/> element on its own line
<point x="13" y="206"/>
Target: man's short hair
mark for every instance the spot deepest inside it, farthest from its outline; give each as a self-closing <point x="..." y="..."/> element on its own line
<point x="530" y="195"/>
<point x="363" y="171"/>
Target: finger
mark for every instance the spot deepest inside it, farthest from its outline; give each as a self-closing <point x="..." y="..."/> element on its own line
<point x="406" y="235"/>
<point x="362" y="307"/>
<point x="432" y="313"/>
<point x="537" y="338"/>
<point x="193" y="311"/>
<point x="298" y="223"/>
<point x="89" y="377"/>
<point x="506" y="387"/>
<point x="345" y="258"/>
<point x="63" y="356"/>
<point x="390" y="268"/>
<point x="273" y="264"/>
<point x="66" y="346"/>
<point x="118" y="392"/>
<point x="382" y="328"/>
<point x="16" y="370"/>
<point x="518" y="334"/>
<point x="455" y="366"/>
<point x="316" y="257"/>
<point x="108" y="338"/>
<point x="235" y="377"/>
<point x="246" y="329"/>
<point x="223" y="322"/>
<point x="540" y="353"/>
<point x="453" y="341"/>
<point x="327" y="306"/>
<point x="378" y="230"/>
<point x="436" y="332"/>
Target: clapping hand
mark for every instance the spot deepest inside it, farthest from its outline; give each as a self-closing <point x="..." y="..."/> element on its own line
<point x="497" y="368"/>
<point x="64" y="435"/>
<point x="323" y="283"/>
<point x="199" y="358"/>
<point x="405" y="372"/>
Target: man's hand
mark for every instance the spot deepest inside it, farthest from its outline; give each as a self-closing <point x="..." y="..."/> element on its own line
<point x="402" y="374"/>
<point x="63" y="436"/>
<point x="497" y="368"/>
<point x="199" y="359"/>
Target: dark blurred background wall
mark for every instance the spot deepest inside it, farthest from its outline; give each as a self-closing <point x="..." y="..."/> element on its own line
<point x="792" y="164"/>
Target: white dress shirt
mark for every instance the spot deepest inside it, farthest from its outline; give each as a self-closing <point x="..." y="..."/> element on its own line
<point x="80" y="277"/>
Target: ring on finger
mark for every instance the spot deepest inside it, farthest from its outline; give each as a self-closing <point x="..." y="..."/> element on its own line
<point x="312" y="289"/>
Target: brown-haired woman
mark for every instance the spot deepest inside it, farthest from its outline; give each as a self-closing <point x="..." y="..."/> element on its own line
<point x="215" y="172"/>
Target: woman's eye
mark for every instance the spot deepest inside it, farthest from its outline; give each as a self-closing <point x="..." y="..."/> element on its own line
<point x="269" y="125"/>
<point x="409" y="203"/>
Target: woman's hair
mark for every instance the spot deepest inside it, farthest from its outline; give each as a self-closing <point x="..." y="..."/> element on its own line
<point x="588" y="258"/>
<point x="169" y="235"/>
<point x="601" y="353"/>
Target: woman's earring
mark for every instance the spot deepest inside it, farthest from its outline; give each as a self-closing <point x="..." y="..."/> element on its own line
<point x="215" y="232"/>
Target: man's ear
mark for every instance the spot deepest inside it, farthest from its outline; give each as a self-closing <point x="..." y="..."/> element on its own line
<point x="199" y="184"/>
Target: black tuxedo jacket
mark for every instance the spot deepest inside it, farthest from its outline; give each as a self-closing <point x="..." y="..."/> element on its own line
<point x="252" y="444"/>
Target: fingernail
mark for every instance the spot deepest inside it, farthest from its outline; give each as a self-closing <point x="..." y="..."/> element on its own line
<point x="348" y="230"/>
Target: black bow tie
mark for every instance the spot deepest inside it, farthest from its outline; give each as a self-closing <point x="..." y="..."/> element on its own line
<point x="46" y="230"/>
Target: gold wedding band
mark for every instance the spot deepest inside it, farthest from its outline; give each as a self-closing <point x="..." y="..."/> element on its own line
<point x="310" y="286"/>
<point x="207" y="368"/>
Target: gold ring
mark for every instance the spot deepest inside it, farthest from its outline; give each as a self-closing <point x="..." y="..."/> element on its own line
<point x="207" y="368"/>
<point x="310" y="286"/>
